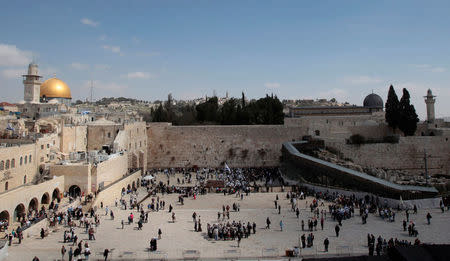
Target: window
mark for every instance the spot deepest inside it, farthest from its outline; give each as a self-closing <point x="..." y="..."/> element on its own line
<point x="109" y="134"/>
<point x="25" y="179"/>
<point x="42" y="146"/>
<point x="6" y="185"/>
<point x="7" y="164"/>
<point x="25" y="159"/>
<point x="13" y="163"/>
<point x="2" y="165"/>
<point x="53" y="142"/>
<point x="29" y="158"/>
<point x="21" y="161"/>
<point x="48" y="145"/>
<point x="140" y="144"/>
<point x="317" y="132"/>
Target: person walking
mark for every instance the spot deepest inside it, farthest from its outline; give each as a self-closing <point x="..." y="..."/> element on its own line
<point x="63" y="252"/>
<point x="70" y="253"/>
<point x="429" y="218"/>
<point x="337" y="229"/>
<point x="279" y="209"/>
<point x="281" y="225"/>
<point x="326" y="242"/>
<point x="105" y="254"/>
<point x="159" y="233"/>
<point x="267" y="223"/>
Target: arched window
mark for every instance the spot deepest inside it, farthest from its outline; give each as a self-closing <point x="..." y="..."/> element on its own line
<point x="6" y="185"/>
<point x="25" y="160"/>
<point x="317" y="132"/>
<point x="29" y="159"/>
<point x="2" y="165"/>
<point x="7" y="164"/>
<point x="109" y="134"/>
<point x="13" y="163"/>
<point x="21" y="161"/>
<point x="25" y="179"/>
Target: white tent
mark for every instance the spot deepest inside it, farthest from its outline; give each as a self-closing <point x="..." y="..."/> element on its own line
<point x="149" y="177"/>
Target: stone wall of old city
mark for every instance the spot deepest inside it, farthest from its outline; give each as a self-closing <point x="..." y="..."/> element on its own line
<point x="17" y="165"/>
<point x="211" y="146"/>
<point x="407" y="155"/>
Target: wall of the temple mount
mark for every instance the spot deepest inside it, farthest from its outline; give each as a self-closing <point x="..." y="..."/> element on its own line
<point x="407" y="155"/>
<point x="211" y="146"/>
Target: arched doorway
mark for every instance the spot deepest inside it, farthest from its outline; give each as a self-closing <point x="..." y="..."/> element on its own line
<point x="123" y="190"/>
<point x="133" y="185"/>
<point x="74" y="191"/>
<point x="34" y="203"/>
<point x="45" y="198"/>
<point x="4" y="216"/>
<point x="128" y="187"/>
<point x="56" y="194"/>
<point x="19" y="212"/>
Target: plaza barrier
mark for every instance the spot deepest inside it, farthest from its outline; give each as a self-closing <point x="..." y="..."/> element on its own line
<point x="344" y="250"/>
<point x="269" y="252"/>
<point x="127" y="255"/>
<point x="157" y="255"/>
<point x="232" y="253"/>
<point x="191" y="254"/>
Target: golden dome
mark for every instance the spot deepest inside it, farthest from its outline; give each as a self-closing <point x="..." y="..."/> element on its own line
<point x="55" y="88"/>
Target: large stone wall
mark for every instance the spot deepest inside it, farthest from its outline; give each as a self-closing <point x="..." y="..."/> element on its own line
<point x="114" y="191"/>
<point x="22" y="170"/>
<point x="210" y="146"/>
<point x="76" y="174"/>
<point x="407" y="155"/>
<point x="73" y="138"/>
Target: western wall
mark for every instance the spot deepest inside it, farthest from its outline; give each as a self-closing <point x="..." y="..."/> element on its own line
<point x="211" y="146"/>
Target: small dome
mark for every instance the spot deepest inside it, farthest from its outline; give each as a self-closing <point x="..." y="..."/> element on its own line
<point x="55" y="88"/>
<point x="373" y="101"/>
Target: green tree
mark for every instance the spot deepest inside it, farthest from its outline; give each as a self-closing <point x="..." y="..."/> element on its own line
<point x="392" y="109"/>
<point x="408" y="116"/>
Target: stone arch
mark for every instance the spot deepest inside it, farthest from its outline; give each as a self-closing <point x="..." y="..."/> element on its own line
<point x="4" y="216"/>
<point x="128" y="187"/>
<point x="25" y="179"/>
<point x="133" y="185"/>
<point x="13" y="163"/>
<point x="74" y="191"/>
<point x="56" y="194"/>
<point x="45" y="199"/>
<point x="34" y="204"/>
<point x="19" y="212"/>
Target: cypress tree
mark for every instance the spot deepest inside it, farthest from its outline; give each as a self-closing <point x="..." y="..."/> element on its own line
<point x="408" y="116"/>
<point x="392" y="109"/>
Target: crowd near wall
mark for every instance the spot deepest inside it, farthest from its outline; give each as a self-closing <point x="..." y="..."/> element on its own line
<point x="211" y="146"/>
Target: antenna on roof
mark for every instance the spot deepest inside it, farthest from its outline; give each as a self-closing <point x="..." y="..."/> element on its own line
<point x="92" y="88"/>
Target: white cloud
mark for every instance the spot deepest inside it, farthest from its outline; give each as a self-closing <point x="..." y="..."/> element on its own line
<point x="272" y="85"/>
<point x="112" y="48"/>
<point x="361" y="79"/>
<point x="89" y="22"/>
<point x="430" y="68"/>
<point x="79" y="66"/>
<point x="139" y="75"/>
<point x="13" y="73"/>
<point x="10" y="55"/>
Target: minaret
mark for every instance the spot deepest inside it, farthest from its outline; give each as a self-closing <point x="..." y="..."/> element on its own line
<point x="430" y="105"/>
<point x="32" y="84"/>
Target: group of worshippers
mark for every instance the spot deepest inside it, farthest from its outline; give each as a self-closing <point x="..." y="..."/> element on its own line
<point x="381" y="246"/>
<point x="230" y="230"/>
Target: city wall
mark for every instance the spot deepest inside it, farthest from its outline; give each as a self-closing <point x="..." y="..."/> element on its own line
<point x="211" y="146"/>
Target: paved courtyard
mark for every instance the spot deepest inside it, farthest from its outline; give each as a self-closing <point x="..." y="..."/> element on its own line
<point x="130" y="243"/>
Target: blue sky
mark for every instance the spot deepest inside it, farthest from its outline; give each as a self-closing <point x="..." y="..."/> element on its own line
<point x="294" y="49"/>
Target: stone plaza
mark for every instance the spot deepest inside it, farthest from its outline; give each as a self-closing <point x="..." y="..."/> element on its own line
<point x="179" y="238"/>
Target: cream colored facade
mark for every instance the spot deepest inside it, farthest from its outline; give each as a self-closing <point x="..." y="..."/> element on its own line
<point x="17" y="165"/>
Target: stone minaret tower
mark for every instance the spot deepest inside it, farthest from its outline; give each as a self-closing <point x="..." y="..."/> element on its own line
<point x="32" y="84"/>
<point x="430" y="100"/>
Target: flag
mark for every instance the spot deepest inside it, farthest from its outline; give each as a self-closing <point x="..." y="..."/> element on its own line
<point x="227" y="168"/>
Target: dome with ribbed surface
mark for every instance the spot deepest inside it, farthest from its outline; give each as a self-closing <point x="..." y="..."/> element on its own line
<point x="373" y="101"/>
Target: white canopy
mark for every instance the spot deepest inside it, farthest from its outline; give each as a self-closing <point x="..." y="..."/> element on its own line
<point x="149" y="177"/>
